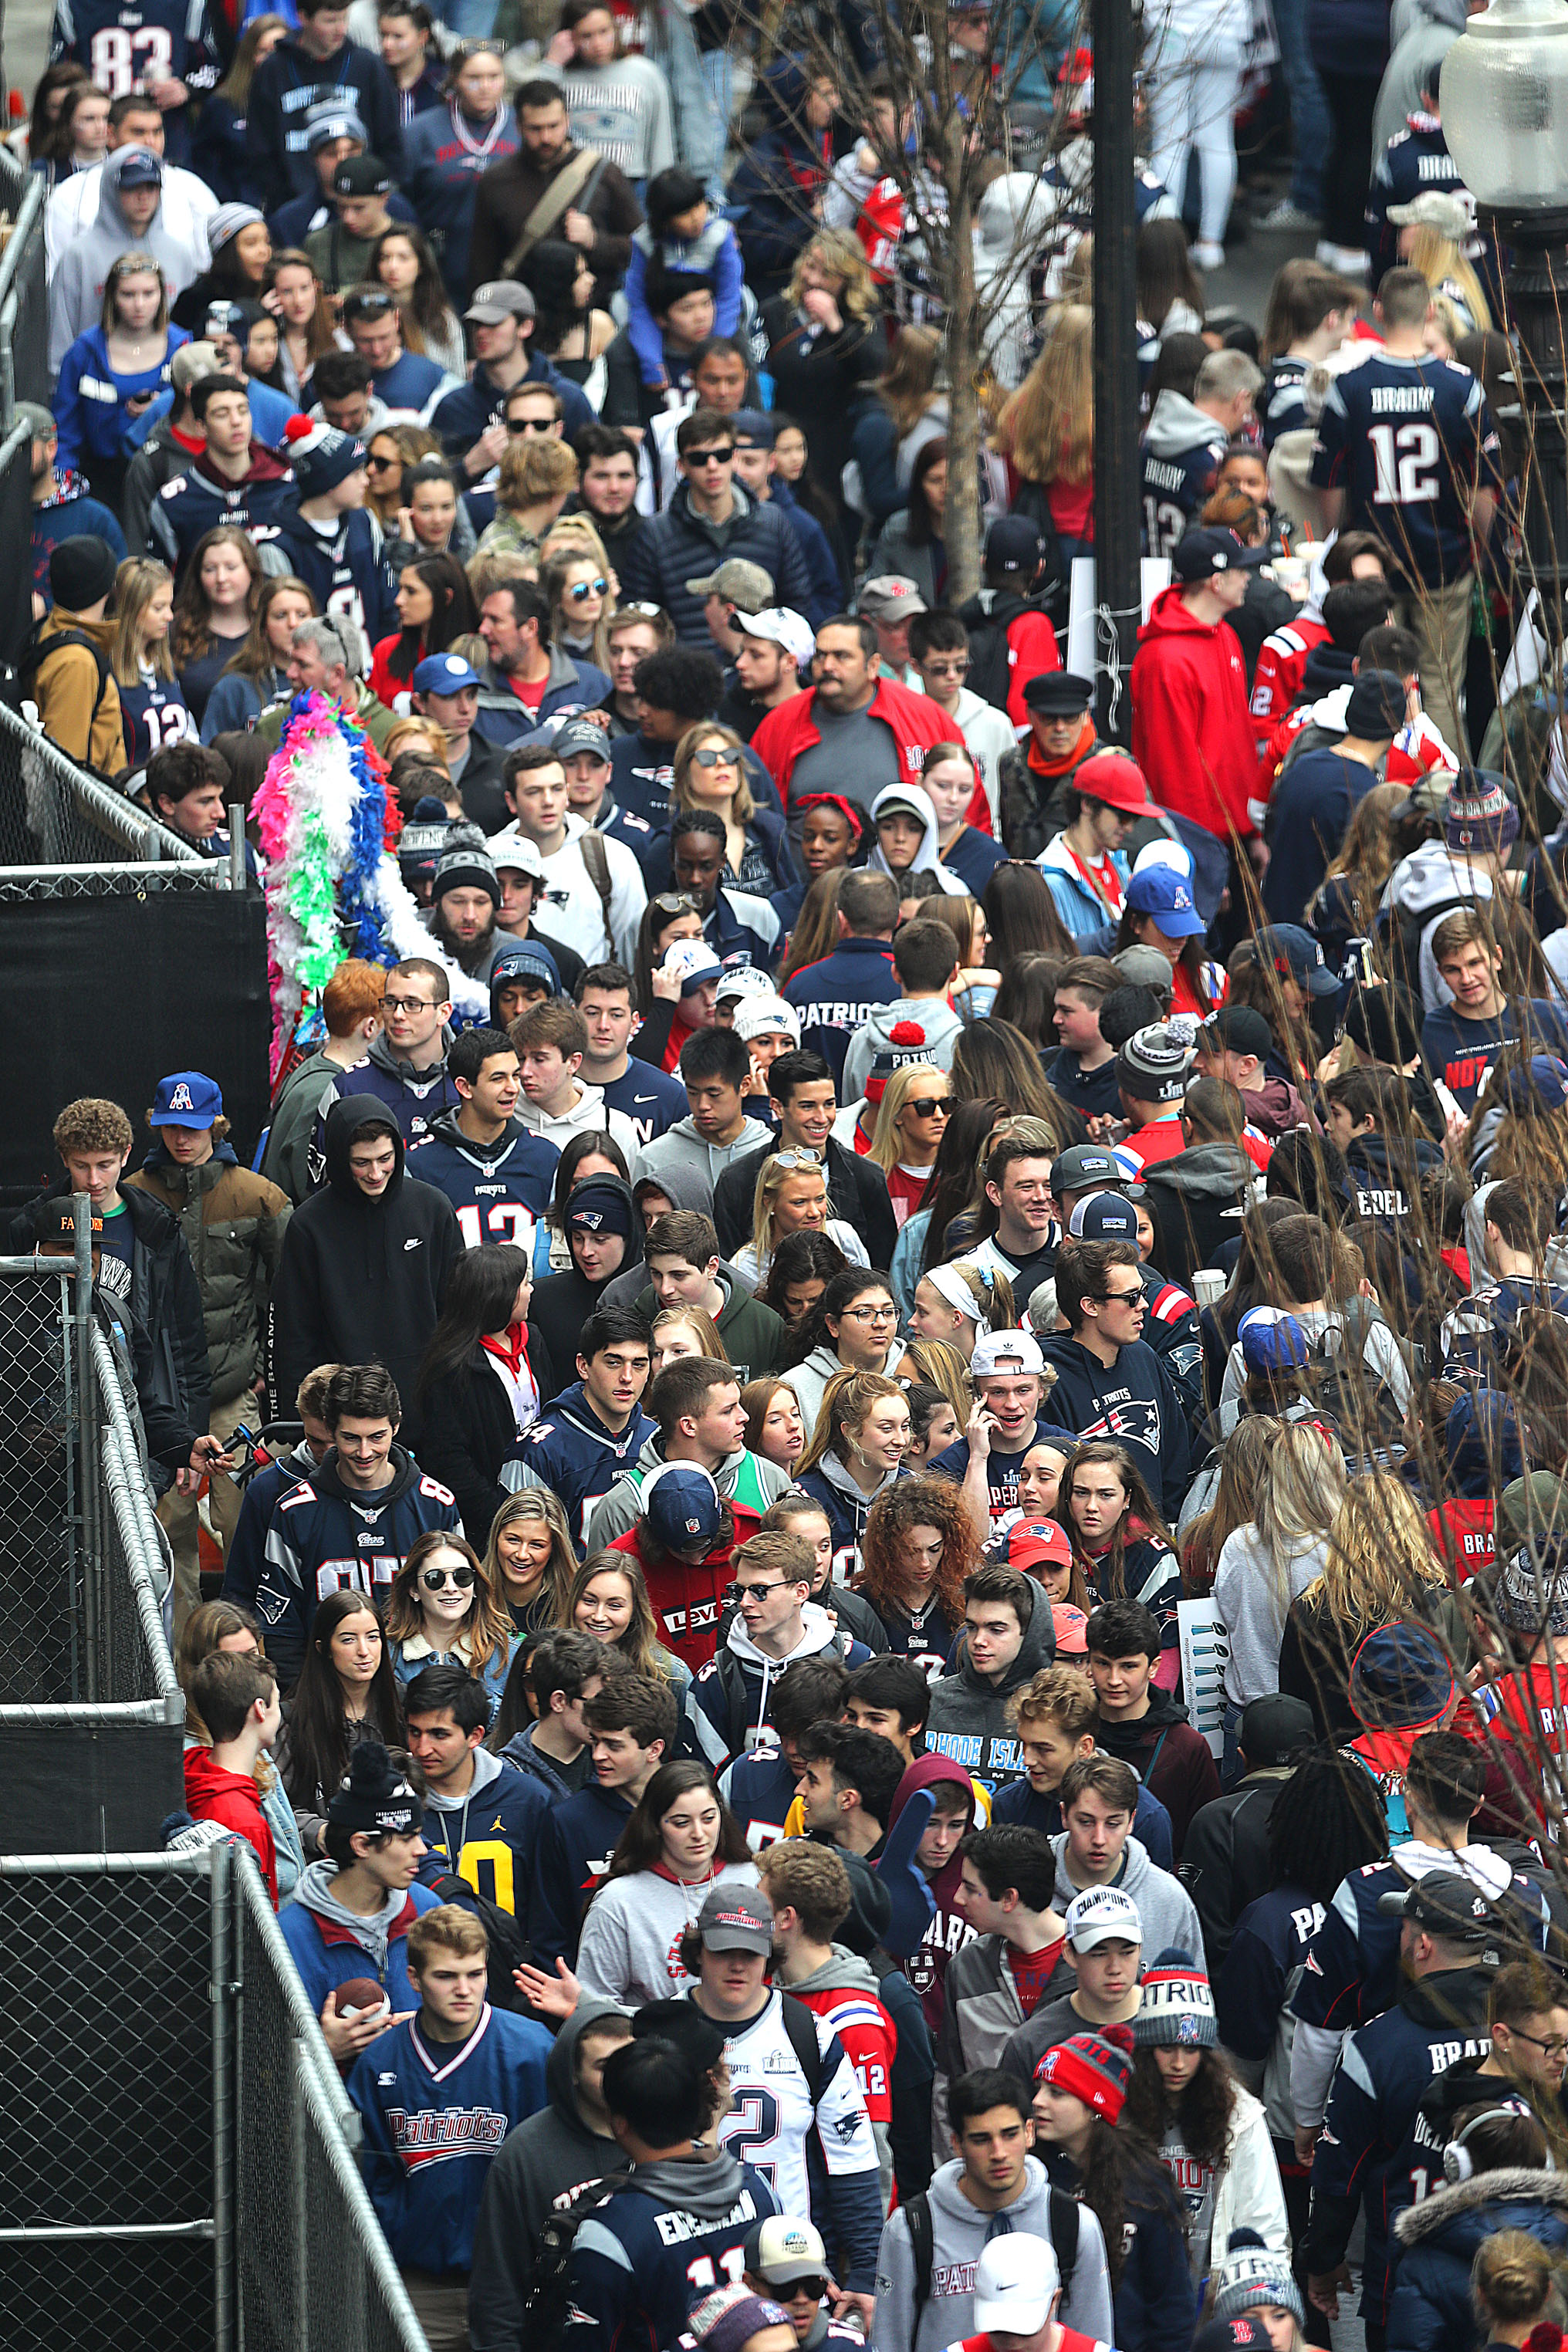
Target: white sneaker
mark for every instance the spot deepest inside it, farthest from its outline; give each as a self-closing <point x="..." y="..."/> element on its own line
<point x="1348" y="260"/>
<point x="1287" y="214"/>
<point x="1208" y="256"/>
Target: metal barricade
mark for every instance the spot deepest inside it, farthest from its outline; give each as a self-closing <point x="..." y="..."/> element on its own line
<point x="24" y="291"/>
<point x="51" y="813"/>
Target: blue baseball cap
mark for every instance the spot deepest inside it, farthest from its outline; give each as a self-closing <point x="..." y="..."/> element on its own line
<point x="186" y="1099"/>
<point x="444" y="674"/>
<point x="1272" y="1341"/>
<point x="1103" y="1217"/>
<point x="1167" y="896"/>
<point x="680" y="1504"/>
<point x="1296" y="955"/>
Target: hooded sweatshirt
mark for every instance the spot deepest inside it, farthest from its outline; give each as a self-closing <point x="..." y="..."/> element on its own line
<point x="934" y="1015"/>
<point x="629" y="1949"/>
<point x="499" y="1189"/>
<point x="734" y="1690"/>
<point x="960" y="2235"/>
<point x="968" y="1718"/>
<point x="1174" y="1761"/>
<point x="332" y="1945"/>
<point x="1431" y="883"/>
<point x="78" y="704"/>
<point x="843" y="1993"/>
<point x="563" y="1302"/>
<point x="213" y="1793"/>
<point x="748" y="1482"/>
<point x="589" y="1114"/>
<point x="1180" y="455"/>
<point x="949" y="1932"/>
<point x="847" y="1507"/>
<point x="1164" y="1907"/>
<point x="76" y="280"/>
<point x="635" y="2261"/>
<point x="685" y="1146"/>
<point x="753" y="1334"/>
<point x="360" y="1280"/>
<point x="1192" y="732"/>
<point x="809" y="1379"/>
<point x="927" y="859"/>
<point x="542" y="2164"/>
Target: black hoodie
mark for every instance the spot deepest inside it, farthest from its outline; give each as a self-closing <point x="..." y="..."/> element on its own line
<point x="360" y="1280"/>
<point x="563" y="1302"/>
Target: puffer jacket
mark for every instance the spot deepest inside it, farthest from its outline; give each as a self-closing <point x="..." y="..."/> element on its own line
<point x="1439" y="2240"/>
<point x="233" y="1224"/>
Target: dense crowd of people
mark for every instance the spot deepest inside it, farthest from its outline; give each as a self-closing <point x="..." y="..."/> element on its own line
<point x="898" y="1669"/>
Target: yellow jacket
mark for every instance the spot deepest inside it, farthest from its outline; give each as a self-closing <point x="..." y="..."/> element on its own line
<point x="79" y="716"/>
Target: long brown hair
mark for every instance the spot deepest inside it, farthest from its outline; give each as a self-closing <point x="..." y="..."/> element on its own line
<point x="816" y="930"/>
<point x="918" y="1503"/>
<point x="319" y="337"/>
<point x="427" y="310"/>
<point x="255" y="657"/>
<point x="318" y="1737"/>
<point x="486" y="1628"/>
<point x="1047" y="426"/>
<point x="1138" y="1521"/>
<point x="641" y="1847"/>
<point x="639" y="1647"/>
<point x="191" y="636"/>
<point x="136" y="583"/>
<point x="1204" y="2113"/>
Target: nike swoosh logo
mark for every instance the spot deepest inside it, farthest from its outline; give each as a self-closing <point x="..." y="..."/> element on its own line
<point x="412" y="1244"/>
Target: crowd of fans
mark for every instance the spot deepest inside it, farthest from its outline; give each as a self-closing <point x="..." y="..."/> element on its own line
<point x="898" y="1674"/>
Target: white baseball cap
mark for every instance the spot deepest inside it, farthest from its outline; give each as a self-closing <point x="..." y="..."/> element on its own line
<point x="778" y="626"/>
<point x="1102" y="1915"/>
<point x="515" y="849"/>
<point x="1005" y="1351"/>
<point x="1015" y="2282"/>
<point x="692" y="962"/>
<point x="746" y="979"/>
<point x="767" y="1016"/>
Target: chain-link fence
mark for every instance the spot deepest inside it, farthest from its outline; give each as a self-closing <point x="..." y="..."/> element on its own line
<point x="52" y="814"/>
<point x="24" y="292"/>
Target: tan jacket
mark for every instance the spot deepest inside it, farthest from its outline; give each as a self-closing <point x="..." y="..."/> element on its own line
<point x="84" y="720"/>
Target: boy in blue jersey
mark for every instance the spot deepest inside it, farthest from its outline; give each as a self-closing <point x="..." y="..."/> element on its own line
<point x="631" y="1723"/>
<point x="326" y="535"/>
<point x="351" y="1913"/>
<point x="438" y="2094"/>
<point x="482" y="1816"/>
<point x="679" y="2225"/>
<point x="352" y="1522"/>
<point x="652" y="1099"/>
<point x="593" y="1430"/>
<point x="234" y="481"/>
<point x="408" y="384"/>
<point x="496" y="1172"/>
<point x="1406" y="446"/>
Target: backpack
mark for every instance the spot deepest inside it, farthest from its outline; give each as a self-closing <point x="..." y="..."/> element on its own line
<point x="548" y="2300"/>
<point x="1365" y="1414"/>
<point x="1063" y="2215"/>
<point x="1397" y="932"/>
<point x="595" y="857"/>
<point x="509" y="1948"/>
<point x="20" y="685"/>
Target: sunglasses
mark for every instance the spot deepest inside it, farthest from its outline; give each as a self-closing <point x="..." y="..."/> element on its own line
<point x="642" y="611"/>
<point x="674" y="902"/>
<point x="709" y="457"/>
<point x="799" y="1159"/>
<point x="435" y="1580"/>
<point x="580" y="590"/>
<point x="520" y="425"/>
<point x="369" y="306"/>
<point x="711" y="756"/>
<point x="815" y="2287"/>
<point x="930" y="1107"/>
<point x="381" y="465"/>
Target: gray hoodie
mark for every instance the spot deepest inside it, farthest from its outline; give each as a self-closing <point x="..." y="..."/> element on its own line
<point x="809" y="1379"/>
<point x="684" y="1147"/>
<point x="372" y="1933"/>
<point x="76" y="284"/>
<point x="1433" y="878"/>
<point x="542" y="2160"/>
<point x="1164" y="1906"/>
<point x="968" y="1718"/>
<point x="960" y="2235"/>
<point x="617" y="1512"/>
<point x="1177" y="425"/>
<point x="934" y="1015"/>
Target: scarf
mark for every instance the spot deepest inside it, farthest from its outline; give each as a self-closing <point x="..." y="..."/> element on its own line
<point x="508" y="1355"/>
<point x="1041" y="766"/>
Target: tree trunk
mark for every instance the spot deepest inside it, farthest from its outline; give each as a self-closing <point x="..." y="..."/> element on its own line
<point x="960" y="530"/>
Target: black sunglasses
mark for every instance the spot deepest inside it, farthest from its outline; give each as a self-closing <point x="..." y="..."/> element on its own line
<point x="709" y="457"/>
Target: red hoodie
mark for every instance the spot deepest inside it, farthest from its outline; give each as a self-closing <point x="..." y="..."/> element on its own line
<point x="213" y="1793"/>
<point x="926" y="1968"/>
<point x="1192" y="732"/>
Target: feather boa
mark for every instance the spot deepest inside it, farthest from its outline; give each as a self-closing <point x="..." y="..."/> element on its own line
<point x="329" y="833"/>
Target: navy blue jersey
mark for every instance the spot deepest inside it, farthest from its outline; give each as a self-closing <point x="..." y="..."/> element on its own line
<point x="1351" y="1972"/>
<point x="641" y="2260"/>
<point x="155" y="713"/>
<point x="1170" y="1328"/>
<point x="411" y="388"/>
<point x="1414" y="160"/>
<point x="1409" y="442"/>
<point x="127" y="44"/>
<point x="576" y="1847"/>
<point x="343" y="564"/>
<point x="324" y="1538"/>
<point x="1175" y="481"/>
<point x="490" y="1837"/>
<point x="195" y="503"/>
<point x="570" y="1452"/>
<point x="652" y="1099"/>
<point x="1282" y="403"/>
<point x="1001" y="1473"/>
<point x="1135" y="1401"/>
<point x="499" y="1191"/>
<point x="758" y="1790"/>
<point x="1460" y="1052"/>
<point x="435" y="2116"/>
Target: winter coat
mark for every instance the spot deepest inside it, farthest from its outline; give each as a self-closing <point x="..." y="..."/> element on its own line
<point x="360" y="1281"/>
<point x="857" y="1191"/>
<point x="507" y="192"/>
<point x="1225" y="1861"/>
<point x="923" y="561"/>
<point x="233" y="1224"/>
<point x="213" y="1793"/>
<point x="287" y="84"/>
<point x="1176" y="1762"/>
<point x="816" y="379"/>
<point x="1247" y="2193"/>
<point x="89" y="398"/>
<point x="1439" y="2242"/>
<point x="916" y="724"/>
<point x="78" y="705"/>
<point x="471" y="1428"/>
<point x="782" y="172"/>
<point x="76" y="282"/>
<point x="680" y="545"/>
<point x="540" y="2160"/>
<point x="1192" y="732"/>
<point x="1195" y="1193"/>
<point x="465" y="413"/>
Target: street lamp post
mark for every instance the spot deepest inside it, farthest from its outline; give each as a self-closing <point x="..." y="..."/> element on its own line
<point x="1505" y="118"/>
<point x="1116" y="509"/>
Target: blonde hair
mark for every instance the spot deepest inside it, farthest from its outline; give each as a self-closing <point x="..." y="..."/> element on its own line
<point x="772" y="1177"/>
<point x="558" y="560"/>
<point x="940" y="1366"/>
<point x="841" y="255"/>
<point x="743" y="808"/>
<point x="1047" y="426"/>
<point x="1443" y="265"/>
<point x="1300" y="1485"/>
<point x="1380" y="1560"/>
<point x="532" y="469"/>
<point x="536" y="1502"/>
<point x="573" y="535"/>
<point x="640" y="1645"/>
<point x="695" y="1319"/>
<point x="994" y="1308"/>
<point x="400" y="736"/>
<point x="136" y="583"/>
<point x="1511" y="2278"/>
<point x="909" y="387"/>
<point x="134" y="265"/>
<point x="886" y="1141"/>
<point x="845" y="1400"/>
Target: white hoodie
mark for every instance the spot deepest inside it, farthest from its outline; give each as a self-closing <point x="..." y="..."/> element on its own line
<point x="589" y="1114"/>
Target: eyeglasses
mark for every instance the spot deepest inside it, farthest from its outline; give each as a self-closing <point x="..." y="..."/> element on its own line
<point x="580" y="590"/>
<point x="369" y="306"/>
<point x="710" y="756"/>
<point x="1121" y="1297"/>
<point x="798" y="1158"/>
<point x="930" y="1107"/>
<point x="888" y="1314"/>
<point x="520" y="425"/>
<point x="435" y="1580"/>
<point x="755" y="1591"/>
<point x="375" y="465"/>
<point x="407" y="1004"/>
<point x="1553" y="2047"/>
<point x="709" y="457"/>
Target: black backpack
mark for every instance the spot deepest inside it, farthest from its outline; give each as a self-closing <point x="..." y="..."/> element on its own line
<point x="509" y="1948"/>
<point x="21" y="684"/>
<point x="547" y="2298"/>
<point x="1398" y="933"/>
<point x="1061" y="2208"/>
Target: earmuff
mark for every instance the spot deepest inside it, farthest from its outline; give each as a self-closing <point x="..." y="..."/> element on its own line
<point x="1457" y="2162"/>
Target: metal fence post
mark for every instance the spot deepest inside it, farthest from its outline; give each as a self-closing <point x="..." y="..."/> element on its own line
<point x="88" y="1568"/>
<point x="223" y="1989"/>
<point x="237" y="874"/>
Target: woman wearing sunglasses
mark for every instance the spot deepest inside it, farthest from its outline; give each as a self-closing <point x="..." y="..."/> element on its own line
<point x="444" y="1611"/>
<point x="582" y="606"/>
<point x="791" y="1197"/>
<point x="710" y="773"/>
<point x="909" y="1123"/>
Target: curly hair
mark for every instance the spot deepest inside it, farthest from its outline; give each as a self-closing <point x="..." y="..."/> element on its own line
<point x="918" y="1503"/>
<point x="1203" y="2114"/>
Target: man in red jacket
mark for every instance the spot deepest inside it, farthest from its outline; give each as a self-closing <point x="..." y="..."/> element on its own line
<point x="234" y="1697"/>
<point x="1192" y="732"/>
<point x="854" y="732"/>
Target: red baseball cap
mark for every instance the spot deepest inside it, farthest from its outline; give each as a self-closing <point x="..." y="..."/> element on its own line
<point x="1071" y="1628"/>
<point x="1117" y="780"/>
<point x="1035" y="1542"/>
